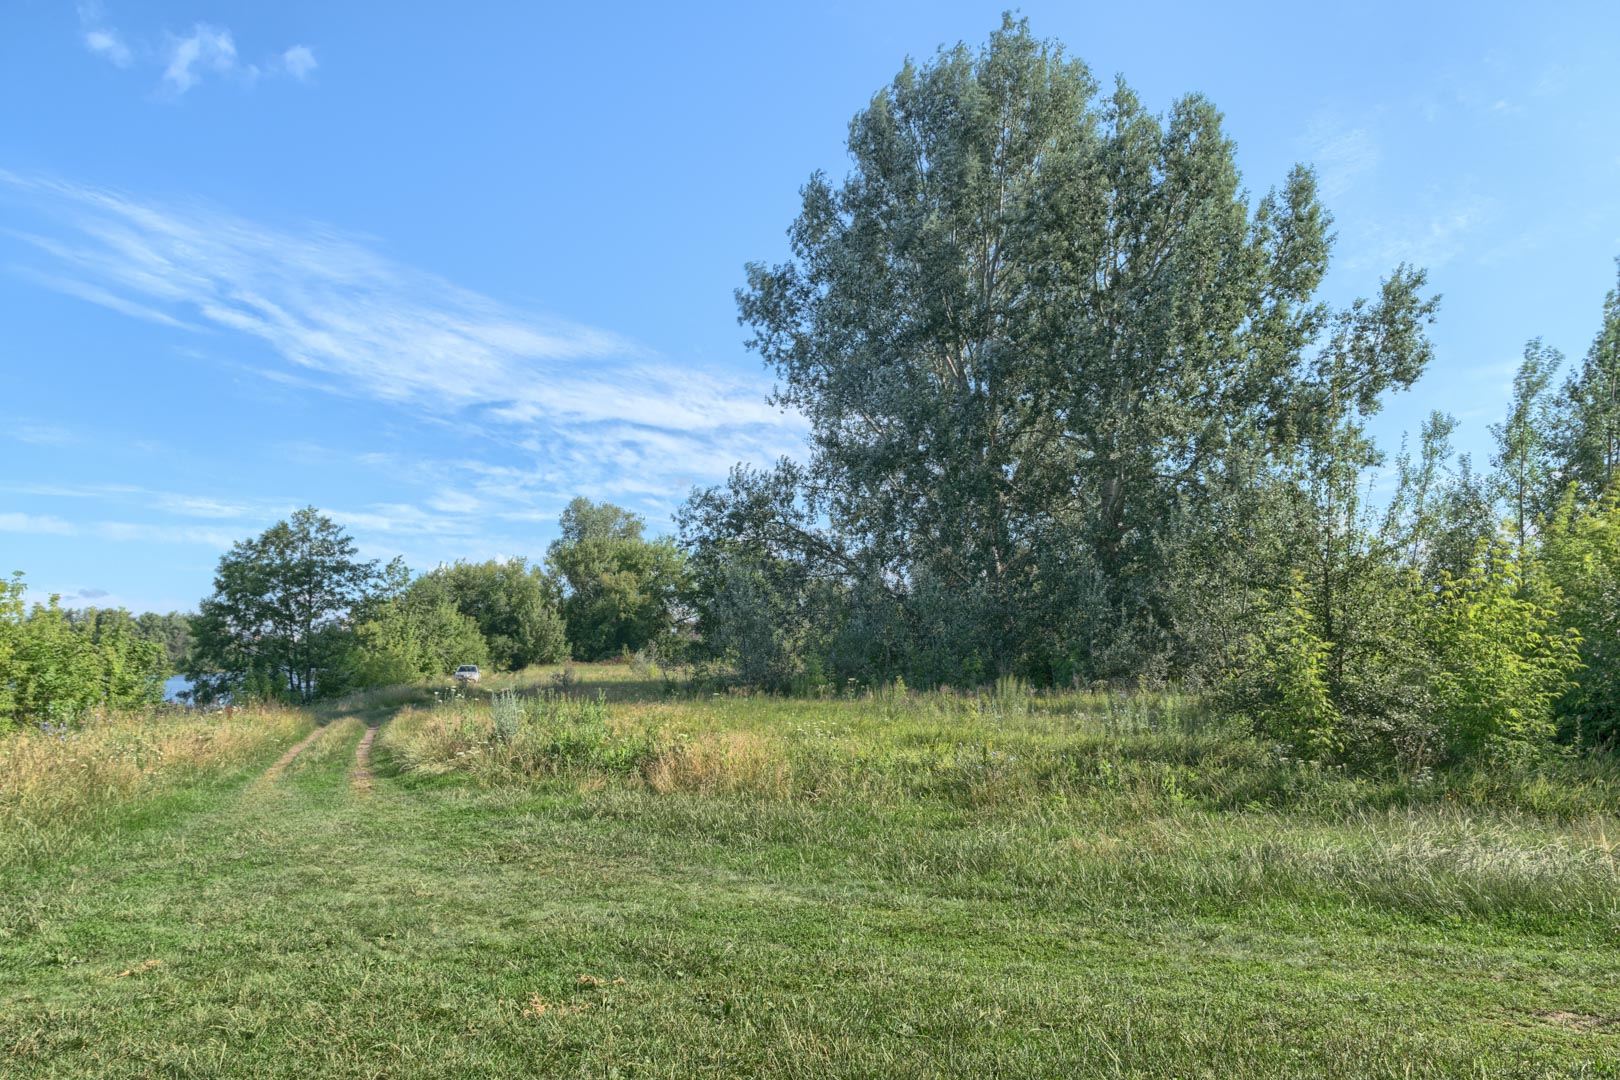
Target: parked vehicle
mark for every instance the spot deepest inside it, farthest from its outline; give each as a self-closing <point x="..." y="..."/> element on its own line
<point x="467" y="673"/>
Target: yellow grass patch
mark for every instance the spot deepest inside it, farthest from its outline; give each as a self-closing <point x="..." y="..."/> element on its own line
<point x="54" y="780"/>
<point x="730" y="762"/>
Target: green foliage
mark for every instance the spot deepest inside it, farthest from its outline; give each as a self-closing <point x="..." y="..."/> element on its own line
<point x="1045" y="343"/>
<point x="1500" y="659"/>
<point x="172" y="631"/>
<point x="1580" y="558"/>
<point x="621" y="591"/>
<point x="418" y="634"/>
<point x="1283" y="683"/>
<point x="757" y="631"/>
<point x="60" y="667"/>
<point x="1524" y="458"/>
<point x="514" y="607"/>
<point x="12" y="593"/>
<point x="275" y="624"/>
<point x="1588" y="432"/>
<point x="1399" y="669"/>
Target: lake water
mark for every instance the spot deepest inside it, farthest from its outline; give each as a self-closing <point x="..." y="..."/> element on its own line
<point x="174" y="685"/>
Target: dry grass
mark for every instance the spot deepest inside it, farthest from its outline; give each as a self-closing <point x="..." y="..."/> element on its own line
<point x="723" y="763"/>
<point x="53" y="785"/>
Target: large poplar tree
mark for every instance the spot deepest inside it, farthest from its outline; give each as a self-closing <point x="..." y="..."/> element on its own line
<point x="1041" y="335"/>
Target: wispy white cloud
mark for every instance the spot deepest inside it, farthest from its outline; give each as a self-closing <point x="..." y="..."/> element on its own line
<point x="186" y="59"/>
<point x="40" y="434"/>
<point x="299" y="62"/>
<point x="109" y="44"/>
<point x="1430" y="238"/>
<point x="205" y="49"/>
<point x="100" y="38"/>
<point x="591" y="409"/>
<point x="37" y="524"/>
<point x="160" y="533"/>
<point x="1342" y="153"/>
<point x="205" y="507"/>
<point x="85" y="290"/>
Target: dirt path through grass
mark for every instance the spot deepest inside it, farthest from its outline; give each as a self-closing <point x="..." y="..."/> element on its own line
<point x="361" y="777"/>
<point x="280" y="765"/>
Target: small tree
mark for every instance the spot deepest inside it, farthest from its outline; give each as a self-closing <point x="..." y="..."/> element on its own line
<point x="1283" y="684"/>
<point x="1502" y="661"/>
<point x="1524" y="480"/>
<point x="1581" y="559"/>
<point x="276" y="620"/>
<point x="1588" y="433"/>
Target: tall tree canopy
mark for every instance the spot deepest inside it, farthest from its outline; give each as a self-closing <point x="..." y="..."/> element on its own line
<point x="1589" y="434"/>
<point x="275" y="623"/>
<point x="1039" y="333"/>
<point x="514" y="606"/>
<point x="621" y="589"/>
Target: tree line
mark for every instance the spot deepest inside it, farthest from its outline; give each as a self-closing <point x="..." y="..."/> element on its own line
<point x="1078" y="416"/>
<point x="295" y="613"/>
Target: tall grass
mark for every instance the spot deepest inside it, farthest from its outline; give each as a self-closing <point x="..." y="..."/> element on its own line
<point x="507" y="735"/>
<point x="1091" y="799"/>
<point x="1115" y="755"/>
<point x="57" y="785"/>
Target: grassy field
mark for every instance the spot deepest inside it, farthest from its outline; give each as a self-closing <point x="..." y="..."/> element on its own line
<point x="894" y="884"/>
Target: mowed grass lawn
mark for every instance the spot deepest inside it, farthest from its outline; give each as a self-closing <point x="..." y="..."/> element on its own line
<point x="893" y="885"/>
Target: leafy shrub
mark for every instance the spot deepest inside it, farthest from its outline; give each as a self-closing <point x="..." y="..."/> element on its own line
<point x="54" y="669"/>
<point x="1580" y="558"/>
<point x="1471" y="666"/>
<point x="1283" y="685"/>
<point x="1501" y="661"/>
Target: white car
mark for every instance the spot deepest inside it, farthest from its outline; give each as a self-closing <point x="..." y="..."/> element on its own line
<point x="467" y="673"/>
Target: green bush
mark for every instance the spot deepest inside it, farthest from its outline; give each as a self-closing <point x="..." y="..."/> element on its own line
<point x="1472" y="666"/>
<point x="54" y="669"/>
<point x="1501" y="661"/>
<point x="1580" y="558"/>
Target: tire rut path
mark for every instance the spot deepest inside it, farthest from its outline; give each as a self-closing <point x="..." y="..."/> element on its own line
<point x="280" y="765"/>
<point x="361" y="776"/>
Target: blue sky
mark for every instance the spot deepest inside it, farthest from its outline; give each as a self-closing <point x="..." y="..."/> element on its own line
<point x="437" y="268"/>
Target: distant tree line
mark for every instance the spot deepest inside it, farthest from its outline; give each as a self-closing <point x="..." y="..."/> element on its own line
<point x="297" y="615"/>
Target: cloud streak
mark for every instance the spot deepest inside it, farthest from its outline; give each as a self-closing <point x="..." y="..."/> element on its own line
<point x="1341" y="155"/>
<point x="36" y="524"/>
<point x="339" y="317"/>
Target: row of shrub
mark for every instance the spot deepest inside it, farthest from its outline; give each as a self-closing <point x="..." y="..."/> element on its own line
<point x="58" y="667"/>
